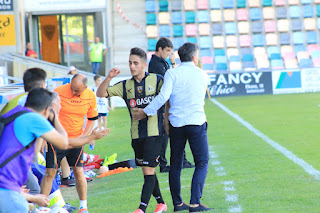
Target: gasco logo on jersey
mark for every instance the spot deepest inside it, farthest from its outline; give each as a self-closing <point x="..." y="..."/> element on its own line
<point x="141" y="101"/>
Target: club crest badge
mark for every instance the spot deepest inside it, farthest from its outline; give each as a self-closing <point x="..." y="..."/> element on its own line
<point x="140" y="88"/>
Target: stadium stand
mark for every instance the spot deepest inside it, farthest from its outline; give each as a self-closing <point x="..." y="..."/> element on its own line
<point x="240" y="35"/>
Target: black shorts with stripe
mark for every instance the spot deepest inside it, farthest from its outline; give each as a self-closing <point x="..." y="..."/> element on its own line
<point x="74" y="157"/>
<point x="147" y="151"/>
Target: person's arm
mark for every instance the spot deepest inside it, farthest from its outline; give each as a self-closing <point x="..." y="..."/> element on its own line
<point x="89" y="127"/>
<point x="166" y="118"/>
<point x="158" y="101"/>
<point x="172" y="59"/>
<point x="58" y="137"/>
<point x="102" y="90"/>
<point x="39" y="199"/>
<point x="105" y="51"/>
<point x="82" y="140"/>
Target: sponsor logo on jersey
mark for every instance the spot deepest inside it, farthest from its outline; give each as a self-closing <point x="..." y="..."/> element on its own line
<point x="140" y="88"/>
<point x="133" y="103"/>
<point x="144" y="101"/>
<point x="150" y="88"/>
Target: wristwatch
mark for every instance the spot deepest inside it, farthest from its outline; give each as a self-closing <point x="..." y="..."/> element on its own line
<point x="174" y="63"/>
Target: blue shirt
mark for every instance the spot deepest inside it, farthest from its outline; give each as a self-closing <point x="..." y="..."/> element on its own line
<point x="185" y="88"/>
<point x="16" y="135"/>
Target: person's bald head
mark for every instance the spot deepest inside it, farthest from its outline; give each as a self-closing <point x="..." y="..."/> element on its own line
<point x="78" y="84"/>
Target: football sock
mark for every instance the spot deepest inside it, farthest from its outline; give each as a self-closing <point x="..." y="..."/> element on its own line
<point x="146" y="191"/>
<point x="83" y="204"/>
<point x="156" y="191"/>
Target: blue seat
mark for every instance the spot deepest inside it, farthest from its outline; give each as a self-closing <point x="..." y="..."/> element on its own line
<point x="257" y="27"/>
<point x="255" y="13"/>
<point x="216" y="29"/>
<point x="294" y="11"/>
<point x="230" y="28"/>
<point x="192" y="40"/>
<point x="177" y="42"/>
<point x="275" y="56"/>
<point x="318" y="9"/>
<point x="299" y="48"/>
<point x="175" y="4"/>
<point x="163" y="6"/>
<point x="205" y="52"/>
<point x="248" y="64"/>
<point x="308" y="11"/>
<point x="203" y="16"/>
<point x="296" y="25"/>
<point x="281" y="12"/>
<point x="176" y="18"/>
<point x="150" y="6"/>
<point x="273" y="50"/>
<point x="215" y="4"/>
<point x="247" y="57"/>
<point x="205" y="42"/>
<point x="315" y="54"/>
<point x="245" y="51"/>
<point x="234" y="58"/>
<point x="165" y="31"/>
<point x="177" y="30"/>
<point x="190" y="17"/>
<point x="152" y="44"/>
<point x="218" y="52"/>
<point x="228" y="4"/>
<point x="220" y="59"/>
<point x="306" y="1"/>
<point x="241" y="3"/>
<point x="266" y="3"/>
<point x="311" y="37"/>
<point x="284" y="38"/>
<point x="277" y="63"/>
<point x="207" y="66"/>
<point x="305" y="63"/>
<point x="151" y="19"/>
<point x="221" y="67"/>
<point x="258" y="40"/>
<point x="298" y="38"/>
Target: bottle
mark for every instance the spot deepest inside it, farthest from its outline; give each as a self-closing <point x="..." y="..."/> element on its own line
<point x="91" y="147"/>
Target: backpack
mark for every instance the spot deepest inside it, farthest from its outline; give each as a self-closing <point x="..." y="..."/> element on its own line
<point x="3" y="123"/>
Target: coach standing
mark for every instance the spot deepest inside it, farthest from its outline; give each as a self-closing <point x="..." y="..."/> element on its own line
<point x="159" y="65"/>
<point x="186" y="87"/>
<point x="77" y="101"/>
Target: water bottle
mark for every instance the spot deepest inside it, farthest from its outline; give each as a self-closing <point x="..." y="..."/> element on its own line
<point x="58" y="179"/>
<point x="91" y="147"/>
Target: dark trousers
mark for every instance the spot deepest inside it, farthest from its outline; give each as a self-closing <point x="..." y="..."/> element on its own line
<point x="163" y="160"/>
<point x="198" y="141"/>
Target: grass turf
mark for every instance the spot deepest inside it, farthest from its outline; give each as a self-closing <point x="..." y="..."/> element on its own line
<point x="263" y="179"/>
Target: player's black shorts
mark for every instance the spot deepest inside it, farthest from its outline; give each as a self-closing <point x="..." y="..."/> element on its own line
<point x="147" y="151"/>
<point x="54" y="157"/>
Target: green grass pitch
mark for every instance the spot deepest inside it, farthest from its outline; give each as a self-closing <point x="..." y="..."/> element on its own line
<point x="245" y="173"/>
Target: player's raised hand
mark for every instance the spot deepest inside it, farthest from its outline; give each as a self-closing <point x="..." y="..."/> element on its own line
<point x="172" y="57"/>
<point x="114" y="72"/>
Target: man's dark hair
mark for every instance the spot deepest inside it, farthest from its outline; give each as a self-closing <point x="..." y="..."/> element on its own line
<point x="163" y="42"/>
<point x="96" y="77"/>
<point x="33" y="78"/>
<point x="39" y="99"/>
<point x="187" y="51"/>
<point x="139" y="52"/>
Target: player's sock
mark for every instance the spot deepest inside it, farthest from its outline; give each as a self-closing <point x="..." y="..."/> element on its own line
<point x="83" y="204"/>
<point x="156" y="191"/>
<point x="146" y="191"/>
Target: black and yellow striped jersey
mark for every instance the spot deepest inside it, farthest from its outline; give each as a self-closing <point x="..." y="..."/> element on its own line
<point x="139" y="95"/>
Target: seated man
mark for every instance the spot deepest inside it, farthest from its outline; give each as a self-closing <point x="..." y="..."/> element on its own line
<point x="21" y="133"/>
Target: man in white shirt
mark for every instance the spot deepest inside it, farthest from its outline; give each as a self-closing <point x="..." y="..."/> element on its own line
<point x="185" y="88"/>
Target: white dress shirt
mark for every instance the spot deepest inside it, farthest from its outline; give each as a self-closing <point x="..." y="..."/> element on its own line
<point x="186" y="87"/>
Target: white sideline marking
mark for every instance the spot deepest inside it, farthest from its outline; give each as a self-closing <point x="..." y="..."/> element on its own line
<point x="229" y="188"/>
<point x="232" y="198"/>
<point x="304" y="165"/>
<point x="228" y="185"/>
<point x="235" y="209"/>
